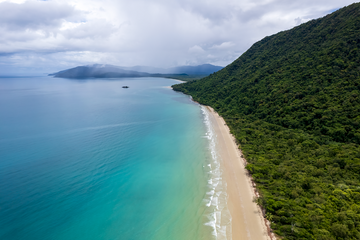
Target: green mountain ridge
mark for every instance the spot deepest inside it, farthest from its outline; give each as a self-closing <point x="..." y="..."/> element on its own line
<point x="293" y="101"/>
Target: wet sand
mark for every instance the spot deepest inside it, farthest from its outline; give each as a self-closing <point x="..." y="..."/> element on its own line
<point x="247" y="219"/>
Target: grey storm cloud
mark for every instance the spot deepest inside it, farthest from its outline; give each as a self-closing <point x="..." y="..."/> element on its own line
<point x="56" y="34"/>
<point x="33" y="15"/>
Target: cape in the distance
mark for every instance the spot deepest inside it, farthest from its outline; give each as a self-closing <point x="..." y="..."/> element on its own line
<point x="111" y="71"/>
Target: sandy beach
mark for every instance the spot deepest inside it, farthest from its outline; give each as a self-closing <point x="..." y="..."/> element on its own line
<point x="180" y="81"/>
<point x="170" y="87"/>
<point x="247" y="219"/>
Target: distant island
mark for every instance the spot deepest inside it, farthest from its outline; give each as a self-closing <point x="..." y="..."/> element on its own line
<point x="185" y="73"/>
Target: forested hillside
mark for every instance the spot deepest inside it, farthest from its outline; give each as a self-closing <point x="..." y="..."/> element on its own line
<point x="293" y="103"/>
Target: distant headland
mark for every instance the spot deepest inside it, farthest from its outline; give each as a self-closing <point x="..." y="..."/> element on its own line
<point x="110" y="71"/>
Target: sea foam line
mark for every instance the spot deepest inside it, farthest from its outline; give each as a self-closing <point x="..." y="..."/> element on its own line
<point x="218" y="213"/>
<point x="71" y="131"/>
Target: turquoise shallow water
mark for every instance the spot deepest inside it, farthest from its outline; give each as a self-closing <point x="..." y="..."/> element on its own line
<point x="89" y="160"/>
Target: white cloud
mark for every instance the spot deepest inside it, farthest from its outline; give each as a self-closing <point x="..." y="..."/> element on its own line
<point x="61" y="33"/>
<point x="196" y="49"/>
<point x="224" y="45"/>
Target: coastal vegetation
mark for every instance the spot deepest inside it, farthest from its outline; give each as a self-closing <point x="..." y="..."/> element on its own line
<point x="186" y="77"/>
<point x="292" y="101"/>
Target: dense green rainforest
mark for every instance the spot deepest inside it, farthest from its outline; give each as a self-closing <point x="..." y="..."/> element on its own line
<point x="293" y="103"/>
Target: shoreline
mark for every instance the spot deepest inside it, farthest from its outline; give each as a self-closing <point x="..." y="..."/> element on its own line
<point x="247" y="219"/>
<point x="170" y="87"/>
<point x="180" y="81"/>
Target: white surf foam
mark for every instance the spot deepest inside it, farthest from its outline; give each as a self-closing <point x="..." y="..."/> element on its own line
<point x="216" y="198"/>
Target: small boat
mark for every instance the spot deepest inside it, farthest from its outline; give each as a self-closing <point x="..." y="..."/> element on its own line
<point x="125" y="87"/>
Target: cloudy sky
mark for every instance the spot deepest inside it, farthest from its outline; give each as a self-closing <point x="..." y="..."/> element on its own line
<point x="46" y="36"/>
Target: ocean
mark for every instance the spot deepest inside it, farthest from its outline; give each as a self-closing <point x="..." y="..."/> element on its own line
<point x="88" y="159"/>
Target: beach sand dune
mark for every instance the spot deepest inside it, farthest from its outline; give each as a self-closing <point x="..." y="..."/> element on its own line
<point x="247" y="219"/>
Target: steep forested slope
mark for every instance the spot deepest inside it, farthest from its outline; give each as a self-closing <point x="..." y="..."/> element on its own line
<point x="293" y="103"/>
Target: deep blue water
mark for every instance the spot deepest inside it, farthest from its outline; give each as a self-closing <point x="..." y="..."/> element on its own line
<point x="89" y="159"/>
